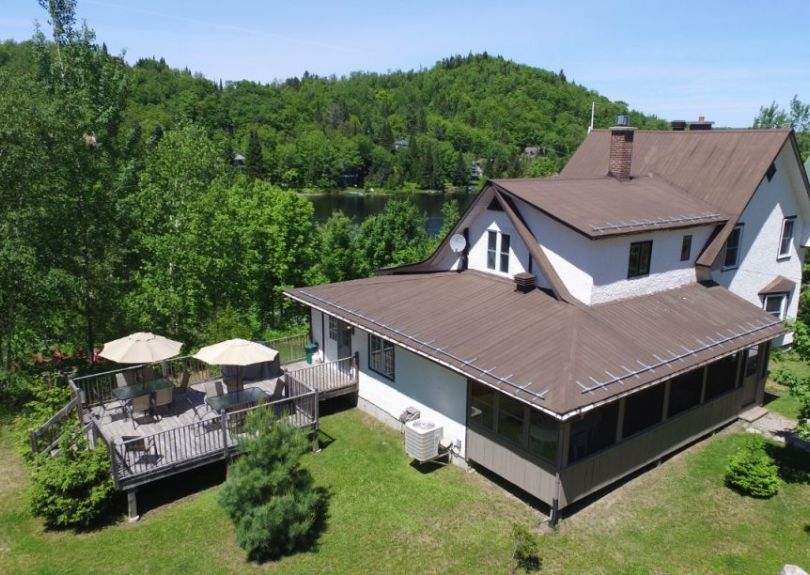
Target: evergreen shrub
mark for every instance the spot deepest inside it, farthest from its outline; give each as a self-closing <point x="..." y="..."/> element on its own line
<point x="752" y="471"/>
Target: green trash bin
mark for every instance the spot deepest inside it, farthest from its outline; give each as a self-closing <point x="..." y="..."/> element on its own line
<point x="311" y="348"/>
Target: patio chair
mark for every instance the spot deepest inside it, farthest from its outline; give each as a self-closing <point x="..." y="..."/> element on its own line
<point x="133" y="444"/>
<point x="139" y="407"/>
<point x="164" y="398"/>
<point x="280" y="388"/>
<point x="148" y="373"/>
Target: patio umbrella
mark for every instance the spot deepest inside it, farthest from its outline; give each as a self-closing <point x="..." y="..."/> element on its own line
<point x="140" y="347"/>
<point x="238" y="352"/>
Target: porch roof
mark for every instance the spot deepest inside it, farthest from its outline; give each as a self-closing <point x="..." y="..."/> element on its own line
<point x="558" y="357"/>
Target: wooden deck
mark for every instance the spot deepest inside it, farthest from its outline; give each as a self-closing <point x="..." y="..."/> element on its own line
<point x="187" y="433"/>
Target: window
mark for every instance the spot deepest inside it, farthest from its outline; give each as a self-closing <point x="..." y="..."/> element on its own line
<point x="493" y="261"/>
<point x="505" y="253"/>
<point x="595" y="431"/>
<point x="643" y="409"/>
<point x="482" y="405"/>
<point x="513" y="422"/>
<point x="684" y="392"/>
<point x="730" y="259"/>
<point x="333" y="328"/>
<point x="771" y="172"/>
<point x="786" y="242"/>
<point x="721" y="377"/>
<point x="381" y="356"/>
<point x="543" y="434"/>
<point x="751" y="361"/>
<point x="686" y="248"/>
<point x="775" y="304"/>
<point x="639" y="264"/>
<point x="492" y="249"/>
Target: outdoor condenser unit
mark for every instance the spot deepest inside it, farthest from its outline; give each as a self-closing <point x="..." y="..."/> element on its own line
<point x="422" y="439"/>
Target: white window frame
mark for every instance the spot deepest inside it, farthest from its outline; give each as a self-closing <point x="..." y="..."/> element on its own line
<point x="382" y="356"/>
<point x="334" y="328"/>
<point x="783" y="297"/>
<point x="497" y="258"/>
<point x="738" y="247"/>
<point x="784" y="254"/>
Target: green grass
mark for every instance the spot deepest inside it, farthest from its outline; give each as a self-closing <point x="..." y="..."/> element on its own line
<point x="785" y="403"/>
<point x="387" y="517"/>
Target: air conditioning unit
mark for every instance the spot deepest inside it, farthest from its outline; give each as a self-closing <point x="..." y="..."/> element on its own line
<point x="422" y="439"/>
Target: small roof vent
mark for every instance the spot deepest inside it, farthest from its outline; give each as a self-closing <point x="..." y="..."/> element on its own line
<point x="678" y="125"/>
<point x="524" y="282"/>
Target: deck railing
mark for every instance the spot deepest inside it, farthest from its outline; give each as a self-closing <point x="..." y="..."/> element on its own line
<point x="289" y="348"/>
<point x="326" y="377"/>
<point x="216" y="436"/>
<point x="47" y="436"/>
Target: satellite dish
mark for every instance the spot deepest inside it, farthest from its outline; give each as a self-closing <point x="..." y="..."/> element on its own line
<point x="457" y="243"/>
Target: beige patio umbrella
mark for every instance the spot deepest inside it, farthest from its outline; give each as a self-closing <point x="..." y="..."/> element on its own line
<point x="238" y="352"/>
<point x="140" y="347"/>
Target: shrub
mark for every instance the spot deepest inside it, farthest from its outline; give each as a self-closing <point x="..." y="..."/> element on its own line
<point x="272" y="501"/>
<point x="525" y="554"/>
<point x="72" y="488"/>
<point x="803" y="430"/>
<point x="752" y="471"/>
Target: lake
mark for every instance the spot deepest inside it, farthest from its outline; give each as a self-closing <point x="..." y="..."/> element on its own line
<point x="359" y="205"/>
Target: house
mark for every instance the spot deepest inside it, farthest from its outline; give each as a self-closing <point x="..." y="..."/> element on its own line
<point x="573" y="329"/>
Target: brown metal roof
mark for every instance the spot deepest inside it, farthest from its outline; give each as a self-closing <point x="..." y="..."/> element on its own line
<point x="558" y="357"/>
<point x="721" y="167"/>
<point x="779" y="284"/>
<point x="604" y="206"/>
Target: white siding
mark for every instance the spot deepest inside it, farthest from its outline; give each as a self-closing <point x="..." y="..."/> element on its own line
<point x="497" y="221"/>
<point x="438" y="393"/>
<point x="762" y="230"/>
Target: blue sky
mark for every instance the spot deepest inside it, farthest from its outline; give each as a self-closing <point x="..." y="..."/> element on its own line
<point x="676" y="59"/>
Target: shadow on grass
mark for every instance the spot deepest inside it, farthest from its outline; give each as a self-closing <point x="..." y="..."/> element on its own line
<point x="512" y="489"/>
<point x="769" y="397"/>
<point x="807" y="528"/>
<point x="793" y="463"/>
<point x="429" y="467"/>
<point x="338" y="404"/>
<point x="175" y="487"/>
<point x="324" y="439"/>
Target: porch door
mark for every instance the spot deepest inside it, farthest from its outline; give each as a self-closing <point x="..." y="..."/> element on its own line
<point x="751" y="375"/>
<point x="344" y="341"/>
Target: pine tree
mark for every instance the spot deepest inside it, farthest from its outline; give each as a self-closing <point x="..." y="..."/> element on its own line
<point x="255" y="159"/>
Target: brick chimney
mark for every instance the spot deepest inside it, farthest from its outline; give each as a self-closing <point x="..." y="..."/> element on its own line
<point x="621" y="149"/>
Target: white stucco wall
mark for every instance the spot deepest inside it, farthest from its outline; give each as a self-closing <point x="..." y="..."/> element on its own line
<point x="325" y="344"/>
<point x="595" y="271"/>
<point x="497" y="221"/>
<point x="758" y="262"/>
<point x="438" y="393"/>
<point x="667" y="271"/>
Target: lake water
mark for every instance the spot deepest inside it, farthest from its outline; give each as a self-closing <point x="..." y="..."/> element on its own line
<point x="359" y="205"/>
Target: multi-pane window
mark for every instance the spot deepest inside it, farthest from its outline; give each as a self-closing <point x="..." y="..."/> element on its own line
<point x="686" y="248"/>
<point x="775" y="304"/>
<point x="685" y="391"/>
<point x="498" y="257"/>
<point x="482" y="405"/>
<point x="639" y="262"/>
<point x="786" y="241"/>
<point x="505" y="253"/>
<point x="333" y="328"/>
<point x="381" y="356"/>
<point x="492" y="249"/>
<point x="732" y="254"/>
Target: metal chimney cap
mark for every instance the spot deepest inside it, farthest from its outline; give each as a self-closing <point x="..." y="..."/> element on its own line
<point x="622" y="120"/>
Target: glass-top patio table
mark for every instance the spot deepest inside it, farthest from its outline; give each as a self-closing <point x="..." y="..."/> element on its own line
<point x="138" y="389"/>
<point x="233" y="399"/>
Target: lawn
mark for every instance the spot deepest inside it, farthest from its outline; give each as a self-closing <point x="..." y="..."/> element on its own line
<point x="388" y="517"/>
<point x="781" y="401"/>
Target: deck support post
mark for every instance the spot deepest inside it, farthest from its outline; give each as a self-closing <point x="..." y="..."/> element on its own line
<point x="316" y="444"/>
<point x="132" y="505"/>
<point x="224" y="422"/>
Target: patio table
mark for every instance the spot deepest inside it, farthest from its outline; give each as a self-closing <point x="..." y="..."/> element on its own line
<point x="234" y="399"/>
<point x="138" y="389"/>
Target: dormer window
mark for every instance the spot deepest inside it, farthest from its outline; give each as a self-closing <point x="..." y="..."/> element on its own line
<point x="639" y="263"/>
<point x="732" y="253"/>
<point x="686" y="248"/>
<point x="498" y="252"/>
<point x="786" y="240"/>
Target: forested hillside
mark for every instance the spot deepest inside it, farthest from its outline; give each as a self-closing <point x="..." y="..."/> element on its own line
<point x="418" y="128"/>
<point x="123" y="207"/>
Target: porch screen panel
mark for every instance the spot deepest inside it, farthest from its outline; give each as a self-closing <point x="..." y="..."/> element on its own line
<point x="595" y="431"/>
<point x="543" y="435"/>
<point x="482" y="405"/>
<point x="643" y="410"/>
<point x="511" y="415"/>
<point x="722" y="376"/>
<point x="684" y="392"/>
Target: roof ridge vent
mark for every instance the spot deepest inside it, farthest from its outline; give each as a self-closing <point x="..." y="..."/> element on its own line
<point x="524" y="282"/>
